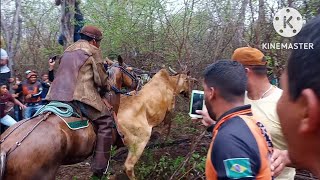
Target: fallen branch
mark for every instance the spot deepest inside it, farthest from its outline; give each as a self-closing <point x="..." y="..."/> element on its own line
<point x="155" y="145"/>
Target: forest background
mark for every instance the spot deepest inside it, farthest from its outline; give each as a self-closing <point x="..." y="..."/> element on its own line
<point x="150" y="33"/>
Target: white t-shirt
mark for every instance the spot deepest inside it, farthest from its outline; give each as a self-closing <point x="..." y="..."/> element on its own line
<point x="5" y="68"/>
<point x="265" y="110"/>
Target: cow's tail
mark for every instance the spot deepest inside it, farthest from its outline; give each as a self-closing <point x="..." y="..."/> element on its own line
<point x="3" y="162"/>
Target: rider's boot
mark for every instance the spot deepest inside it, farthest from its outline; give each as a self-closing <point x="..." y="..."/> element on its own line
<point x="101" y="156"/>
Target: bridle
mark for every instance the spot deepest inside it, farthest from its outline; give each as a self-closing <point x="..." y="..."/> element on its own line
<point x="135" y="81"/>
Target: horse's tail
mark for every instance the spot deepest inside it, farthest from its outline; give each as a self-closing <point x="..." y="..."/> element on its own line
<point x="3" y="162"/>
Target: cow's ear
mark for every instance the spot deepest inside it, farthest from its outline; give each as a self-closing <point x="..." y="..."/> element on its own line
<point x="120" y="60"/>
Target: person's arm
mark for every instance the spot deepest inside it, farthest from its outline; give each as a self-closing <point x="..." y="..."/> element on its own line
<point x="51" y="69"/>
<point x="100" y="75"/>
<point x="51" y="75"/>
<point x="206" y="120"/>
<point x="17" y="102"/>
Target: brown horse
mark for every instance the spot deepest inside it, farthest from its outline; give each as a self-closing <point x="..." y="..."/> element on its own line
<point x="34" y="149"/>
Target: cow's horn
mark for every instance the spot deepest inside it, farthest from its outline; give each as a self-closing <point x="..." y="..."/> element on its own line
<point x="172" y="71"/>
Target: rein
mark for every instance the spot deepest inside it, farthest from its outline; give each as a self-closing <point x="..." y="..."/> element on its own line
<point x="53" y="107"/>
<point x="136" y="82"/>
<point x="18" y="143"/>
<point x="2" y="140"/>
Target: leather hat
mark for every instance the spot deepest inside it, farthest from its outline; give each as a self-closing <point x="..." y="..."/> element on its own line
<point x="92" y="32"/>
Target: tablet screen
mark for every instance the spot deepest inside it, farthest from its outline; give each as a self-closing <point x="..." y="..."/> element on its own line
<point x="197" y="102"/>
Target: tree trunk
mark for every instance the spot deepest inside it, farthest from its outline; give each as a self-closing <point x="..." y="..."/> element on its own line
<point x="67" y="21"/>
<point x="239" y="39"/>
<point x="261" y="23"/>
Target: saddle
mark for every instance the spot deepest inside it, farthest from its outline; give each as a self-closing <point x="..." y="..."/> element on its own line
<point x="64" y="111"/>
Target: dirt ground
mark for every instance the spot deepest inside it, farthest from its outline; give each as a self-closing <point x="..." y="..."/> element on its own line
<point x="179" y="143"/>
<point x="81" y="171"/>
<point x="180" y="147"/>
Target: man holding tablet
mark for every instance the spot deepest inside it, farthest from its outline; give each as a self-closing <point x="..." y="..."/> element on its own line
<point x="240" y="147"/>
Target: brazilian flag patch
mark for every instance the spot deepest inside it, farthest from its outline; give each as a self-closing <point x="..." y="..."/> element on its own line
<point x="237" y="168"/>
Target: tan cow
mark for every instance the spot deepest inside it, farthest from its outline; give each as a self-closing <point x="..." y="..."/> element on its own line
<point x="138" y="114"/>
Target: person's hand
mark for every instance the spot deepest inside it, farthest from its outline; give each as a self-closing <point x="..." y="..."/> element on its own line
<point x="206" y="120"/>
<point x="51" y="64"/>
<point x="28" y="96"/>
<point x="15" y="95"/>
<point x="279" y="160"/>
<point x="23" y="106"/>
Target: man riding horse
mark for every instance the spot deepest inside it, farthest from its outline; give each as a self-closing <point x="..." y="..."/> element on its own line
<point x="80" y="79"/>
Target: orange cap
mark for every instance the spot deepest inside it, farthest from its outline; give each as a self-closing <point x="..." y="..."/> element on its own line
<point x="249" y="56"/>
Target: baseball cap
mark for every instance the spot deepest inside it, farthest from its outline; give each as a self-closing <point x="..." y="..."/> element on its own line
<point x="30" y="73"/>
<point x="249" y="56"/>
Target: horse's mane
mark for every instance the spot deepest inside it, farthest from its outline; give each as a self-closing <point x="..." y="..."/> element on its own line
<point x="111" y="75"/>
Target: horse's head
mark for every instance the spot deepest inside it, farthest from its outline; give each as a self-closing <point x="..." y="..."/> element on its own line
<point x="184" y="81"/>
<point x="120" y="75"/>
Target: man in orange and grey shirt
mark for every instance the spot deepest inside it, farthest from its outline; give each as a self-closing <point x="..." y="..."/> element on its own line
<point x="240" y="147"/>
<point x="31" y="90"/>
